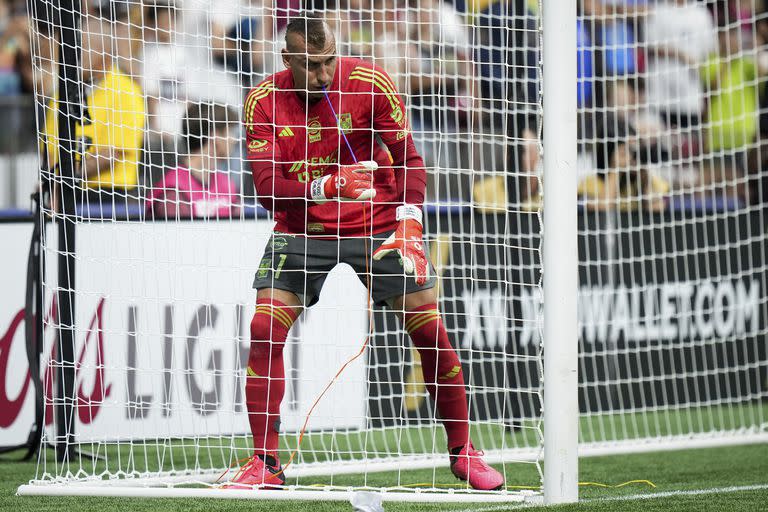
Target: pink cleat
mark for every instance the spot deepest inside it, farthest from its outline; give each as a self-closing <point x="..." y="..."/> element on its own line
<point x="467" y="464"/>
<point x="260" y="470"/>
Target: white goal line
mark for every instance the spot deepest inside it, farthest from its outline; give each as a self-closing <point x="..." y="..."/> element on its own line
<point x="632" y="497"/>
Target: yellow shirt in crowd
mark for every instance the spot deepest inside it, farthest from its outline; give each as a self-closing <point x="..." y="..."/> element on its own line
<point x="593" y="187"/>
<point x="114" y="117"/>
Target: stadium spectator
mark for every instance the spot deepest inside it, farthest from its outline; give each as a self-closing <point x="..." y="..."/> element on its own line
<point x="505" y="43"/>
<point x="679" y="36"/>
<point x="158" y="21"/>
<point x="367" y="33"/>
<point x="208" y="29"/>
<point x="250" y="45"/>
<point x="615" y="26"/>
<point x="737" y="12"/>
<point x="619" y="47"/>
<point x="38" y="78"/>
<point x="386" y="40"/>
<point x="518" y="188"/>
<point x="620" y="182"/>
<point x="203" y="25"/>
<point x="14" y="41"/>
<point x="440" y="91"/>
<point x="197" y="188"/>
<point x="183" y="40"/>
<point x="733" y="105"/>
<point x="506" y="52"/>
<point x="110" y="132"/>
<point x="35" y="60"/>
<point x="125" y="41"/>
<point x="128" y="19"/>
<point x="440" y="85"/>
<point x="162" y="80"/>
<point x="529" y="169"/>
<point x="626" y="98"/>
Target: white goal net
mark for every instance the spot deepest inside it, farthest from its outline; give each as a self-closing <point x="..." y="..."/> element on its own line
<point x="158" y="230"/>
<point x="169" y="226"/>
<point x="672" y="297"/>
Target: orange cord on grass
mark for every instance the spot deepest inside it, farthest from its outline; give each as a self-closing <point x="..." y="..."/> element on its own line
<point x="370" y="310"/>
<point x="348" y="361"/>
<point x="338" y="373"/>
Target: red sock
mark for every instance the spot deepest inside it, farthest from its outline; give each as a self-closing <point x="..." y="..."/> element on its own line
<point x="265" y="380"/>
<point x="442" y="371"/>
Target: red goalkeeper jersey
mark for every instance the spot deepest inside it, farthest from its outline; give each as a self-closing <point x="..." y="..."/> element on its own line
<point x="290" y="143"/>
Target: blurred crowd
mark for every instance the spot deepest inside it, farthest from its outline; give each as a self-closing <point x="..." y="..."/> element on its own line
<point x="670" y="93"/>
<point x="671" y="97"/>
<point x="672" y="90"/>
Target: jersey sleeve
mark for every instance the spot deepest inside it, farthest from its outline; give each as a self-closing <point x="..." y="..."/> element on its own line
<point x="273" y="190"/>
<point x="390" y="122"/>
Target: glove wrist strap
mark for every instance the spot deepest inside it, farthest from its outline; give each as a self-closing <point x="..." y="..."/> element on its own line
<point x="317" y="189"/>
<point x="409" y="211"/>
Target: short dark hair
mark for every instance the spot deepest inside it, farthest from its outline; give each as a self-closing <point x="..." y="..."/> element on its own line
<point x="310" y="26"/>
<point x="201" y="121"/>
<point x="612" y="132"/>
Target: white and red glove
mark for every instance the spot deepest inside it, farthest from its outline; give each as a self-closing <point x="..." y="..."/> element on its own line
<point x="350" y="183"/>
<point x="407" y="242"/>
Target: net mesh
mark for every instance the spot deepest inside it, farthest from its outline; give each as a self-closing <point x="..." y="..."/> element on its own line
<point x="672" y="271"/>
<point x="672" y="296"/>
<point x="170" y="232"/>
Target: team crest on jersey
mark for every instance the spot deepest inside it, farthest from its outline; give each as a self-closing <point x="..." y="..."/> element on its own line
<point x="314" y="133"/>
<point x="345" y="122"/>
<point x="257" y="145"/>
<point x="279" y="243"/>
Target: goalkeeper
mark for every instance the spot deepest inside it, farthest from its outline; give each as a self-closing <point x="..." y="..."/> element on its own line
<point x="329" y="208"/>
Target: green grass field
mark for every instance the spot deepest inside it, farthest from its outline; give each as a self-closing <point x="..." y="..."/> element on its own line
<point x="727" y="478"/>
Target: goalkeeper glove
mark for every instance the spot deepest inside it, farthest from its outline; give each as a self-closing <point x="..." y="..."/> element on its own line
<point x="350" y="183"/>
<point x="407" y="242"/>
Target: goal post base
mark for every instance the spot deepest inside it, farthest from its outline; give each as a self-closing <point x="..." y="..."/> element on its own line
<point x="282" y="495"/>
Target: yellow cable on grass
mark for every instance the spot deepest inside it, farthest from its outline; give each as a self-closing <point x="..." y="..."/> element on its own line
<point x="514" y="487"/>
<point x="598" y="484"/>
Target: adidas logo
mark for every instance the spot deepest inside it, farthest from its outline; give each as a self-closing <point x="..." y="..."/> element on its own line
<point x="287" y="132"/>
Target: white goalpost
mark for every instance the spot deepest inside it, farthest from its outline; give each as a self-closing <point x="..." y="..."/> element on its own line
<point x="560" y="258"/>
<point x="145" y="391"/>
<point x="599" y="255"/>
